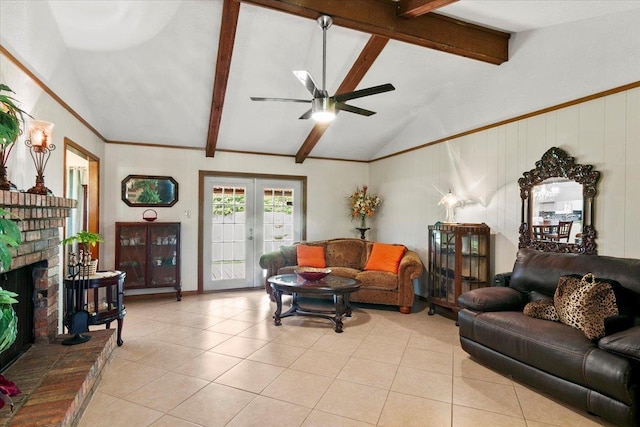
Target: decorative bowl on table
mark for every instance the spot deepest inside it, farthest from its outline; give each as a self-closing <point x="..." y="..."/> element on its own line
<point x="313" y="273"/>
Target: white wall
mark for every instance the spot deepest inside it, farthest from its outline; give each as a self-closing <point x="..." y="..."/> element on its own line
<point x="42" y="106"/>
<point x="483" y="169"/>
<point x="328" y="185"/>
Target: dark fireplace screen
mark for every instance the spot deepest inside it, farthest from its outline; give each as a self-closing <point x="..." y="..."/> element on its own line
<point x="20" y="281"/>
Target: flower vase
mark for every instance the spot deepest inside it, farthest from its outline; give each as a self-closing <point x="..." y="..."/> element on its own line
<point x="363" y="226"/>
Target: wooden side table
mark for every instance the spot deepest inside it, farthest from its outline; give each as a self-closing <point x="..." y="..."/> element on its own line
<point x="101" y="294"/>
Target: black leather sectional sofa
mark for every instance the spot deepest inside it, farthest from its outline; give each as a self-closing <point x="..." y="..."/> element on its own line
<point x="600" y="376"/>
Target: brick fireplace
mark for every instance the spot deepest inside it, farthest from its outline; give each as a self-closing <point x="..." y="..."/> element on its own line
<point x="56" y="381"/>
<point x="42" y="216"/>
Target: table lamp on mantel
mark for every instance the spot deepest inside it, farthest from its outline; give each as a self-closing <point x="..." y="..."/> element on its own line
<point x="40" y="147"/>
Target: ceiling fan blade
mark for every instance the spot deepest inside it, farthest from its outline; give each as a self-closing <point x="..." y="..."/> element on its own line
<point x="350" y="108"/>
<point x="306" y="79"/>
<point x="255" y="98"/>
<point x="364" y="92"/>
<point x="306" y="115"/>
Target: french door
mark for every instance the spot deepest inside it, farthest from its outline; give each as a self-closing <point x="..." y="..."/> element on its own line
<point x="243" y="218"/>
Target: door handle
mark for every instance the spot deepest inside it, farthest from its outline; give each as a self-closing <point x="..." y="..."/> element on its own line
<point x="250" y="234"/>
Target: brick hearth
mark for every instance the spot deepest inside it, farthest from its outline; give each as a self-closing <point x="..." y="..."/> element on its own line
<point x="57" y="381"/>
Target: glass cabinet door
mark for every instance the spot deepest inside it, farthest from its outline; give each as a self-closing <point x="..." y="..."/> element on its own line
<point x="132" y="254"/>
<point x="164" y="254"/>
<point x="149" y="253"/>
<point x="443" y="265"/>
<point x="473" y="266"/>
<point x="458" y="262"/>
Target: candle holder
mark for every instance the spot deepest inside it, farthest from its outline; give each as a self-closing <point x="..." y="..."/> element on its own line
<point x="5" y="184"/>
<point x="40" y="148"/>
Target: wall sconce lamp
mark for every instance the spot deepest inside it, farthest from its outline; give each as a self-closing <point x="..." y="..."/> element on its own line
<point x="450" y="202"/>
<point x="40" y="147"/>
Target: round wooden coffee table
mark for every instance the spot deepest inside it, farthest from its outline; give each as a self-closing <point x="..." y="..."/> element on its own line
<point x="335" y="286"/>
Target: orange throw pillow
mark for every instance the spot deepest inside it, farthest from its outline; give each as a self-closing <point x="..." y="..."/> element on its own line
<point x="311" y="256"/>
<point x="385" y="257"/>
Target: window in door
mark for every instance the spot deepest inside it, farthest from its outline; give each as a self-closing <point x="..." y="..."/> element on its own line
<point x="243" y="218"/>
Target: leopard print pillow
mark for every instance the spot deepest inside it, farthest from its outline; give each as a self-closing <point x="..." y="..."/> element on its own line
<point x="542" y="309"/>
<point x="584" y="303"/>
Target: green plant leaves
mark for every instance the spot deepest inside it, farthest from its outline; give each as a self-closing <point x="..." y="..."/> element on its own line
<point x="8" y="326"/>
<point x="84" y="237"/>
<point x="9" y="237"/>
<point x="7" y="297"/>
<point x="8" y="319"/>
<point x="11" y="117"/>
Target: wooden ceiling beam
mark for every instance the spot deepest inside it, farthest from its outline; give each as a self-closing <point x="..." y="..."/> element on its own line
<point x="379" y="17"/>
<point x="230" y="13"/>
<point x="355" y="75"/>
<point x="414" y="8"/>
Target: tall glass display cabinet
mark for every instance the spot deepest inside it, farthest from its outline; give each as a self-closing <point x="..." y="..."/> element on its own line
<point x="458" y="262"/>
<point x="149" y="253"/>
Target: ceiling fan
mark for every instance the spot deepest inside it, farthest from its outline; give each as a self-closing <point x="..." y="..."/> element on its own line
<point x="324" y="107"/>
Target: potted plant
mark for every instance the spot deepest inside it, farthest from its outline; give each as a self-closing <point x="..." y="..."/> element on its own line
<point x="11" y="120"/>
<point x="85" y="240"/>
<point x="10" y="237"/>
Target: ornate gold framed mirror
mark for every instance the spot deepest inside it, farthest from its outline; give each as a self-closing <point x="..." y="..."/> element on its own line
<point x="558" y="205"/>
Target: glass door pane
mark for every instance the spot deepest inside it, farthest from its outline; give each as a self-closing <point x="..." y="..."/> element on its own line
<point x="228" y="233"/>
<point x="243" y="219"/>
<point x="228" y="224"/>
<point x="278" y="218"/>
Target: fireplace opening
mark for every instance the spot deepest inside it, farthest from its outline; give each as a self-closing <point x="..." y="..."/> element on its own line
<point x="21" y="282"/>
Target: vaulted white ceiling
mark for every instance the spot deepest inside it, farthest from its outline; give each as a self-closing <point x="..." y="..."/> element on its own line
<point x="143" y="71"/>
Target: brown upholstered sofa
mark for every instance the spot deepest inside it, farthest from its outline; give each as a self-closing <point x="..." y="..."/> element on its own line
<point x="347" y="258"/>
<point x="601" y="376"/>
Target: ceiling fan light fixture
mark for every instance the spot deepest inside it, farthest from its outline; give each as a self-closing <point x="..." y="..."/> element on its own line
<point x="323" y="110"/>
<point x="323" y="107"/>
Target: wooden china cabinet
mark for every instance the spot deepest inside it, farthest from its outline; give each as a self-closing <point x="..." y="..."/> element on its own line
<point x="458" y="262"/>
<point x="149" y="253"/>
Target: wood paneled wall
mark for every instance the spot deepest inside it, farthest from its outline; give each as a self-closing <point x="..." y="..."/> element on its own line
<point x="483" y="168"/>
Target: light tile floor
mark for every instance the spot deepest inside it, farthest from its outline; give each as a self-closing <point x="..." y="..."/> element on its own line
<point x="218" y="360"/>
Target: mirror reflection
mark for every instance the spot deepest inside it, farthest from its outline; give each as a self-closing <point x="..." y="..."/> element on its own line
<point x="147" y="191"/>
<point x="558" y="205"/>
<point x="557" y="211"/>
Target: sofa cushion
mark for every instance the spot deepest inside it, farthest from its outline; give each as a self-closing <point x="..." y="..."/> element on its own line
<point x="346" y="253"/>
<point x="625" y="343"/>
<point x="385" y="257"/>
<point x="311" y="256"/>
<point x="288" y="269"/>
<point x="585" y="302"/>
<point x="492" y="299"/>
<point x="289" y="255"/>
<point x="376" y="279"/>
<point x="539" y="271"/>
<point x="553" y="347"/>
<point x="351" y="273"/>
